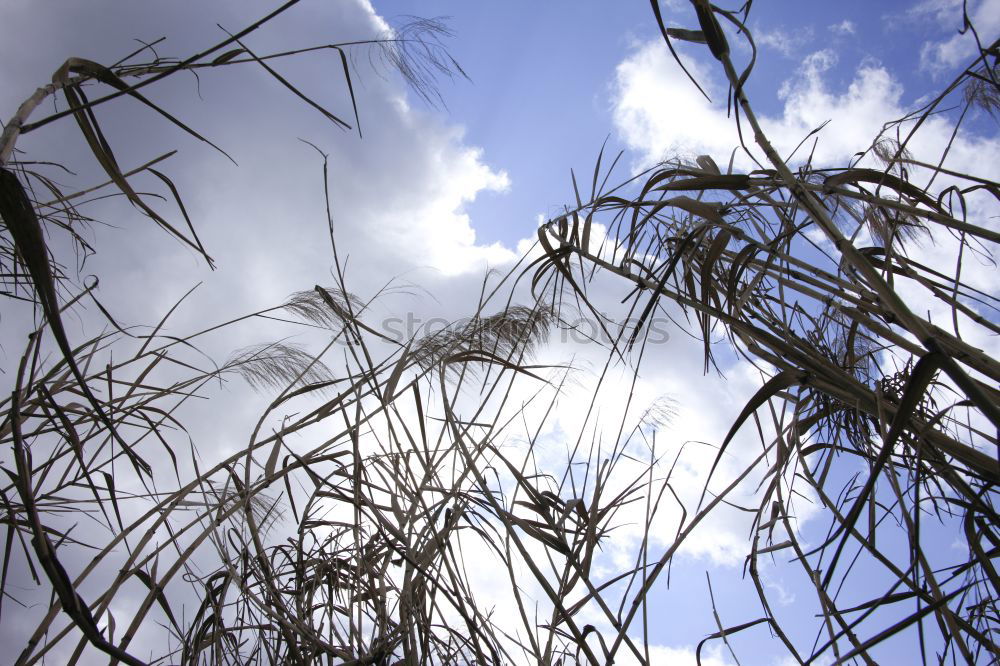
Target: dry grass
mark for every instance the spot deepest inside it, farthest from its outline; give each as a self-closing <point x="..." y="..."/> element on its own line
<point x="347" y="533"/>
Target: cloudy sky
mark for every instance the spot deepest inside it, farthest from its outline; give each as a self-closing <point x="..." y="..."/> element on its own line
<point x="435" y="195"/>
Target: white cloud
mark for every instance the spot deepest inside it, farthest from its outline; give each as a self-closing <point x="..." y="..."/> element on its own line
<point x="845" y="27"/>
<point x="398" y="195"/>
<point x="785" y="42"/>
<point x="937" y="10"/>
<point x="659" y="113"/>
<point x="855" y="116"/>
<point x="947" y="54"/>
<point x="416" y="206"/>
<point x="772" y="581"/>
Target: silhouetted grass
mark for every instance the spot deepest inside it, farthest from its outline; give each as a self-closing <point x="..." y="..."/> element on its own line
<point x="350" y="527"/>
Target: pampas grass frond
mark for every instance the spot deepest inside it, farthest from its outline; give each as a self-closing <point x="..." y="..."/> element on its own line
<point x="277" y="365"/>
<point x="514" y="333"/>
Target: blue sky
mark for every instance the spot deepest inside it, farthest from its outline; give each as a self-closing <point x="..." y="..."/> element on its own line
<point x="435" y="196"/>
<point x="543" y="76"/>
